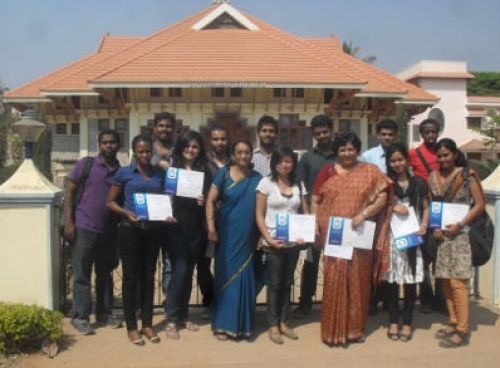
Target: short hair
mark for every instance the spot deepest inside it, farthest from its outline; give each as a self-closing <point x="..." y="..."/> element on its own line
<point x="387" y="124"/>
<point x="341" y="139"/>
<point x="164" y="116"/>
<point x="277" y="156"/>
<point x="215" y="128"/>
<point x="112" y="132"/>
<point x="321" y="120"/>
<point x="267" y="120"/>
<point x="182" y="143"/>
<point x="429" y="121"/>
<point x="141" y="138"/>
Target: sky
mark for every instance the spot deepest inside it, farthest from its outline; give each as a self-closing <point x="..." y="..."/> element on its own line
<point x="39" y="36"/>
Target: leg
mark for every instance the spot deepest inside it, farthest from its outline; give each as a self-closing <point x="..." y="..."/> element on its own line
<point x="426" y="292"/>
<point x="104" y="282"/>
<point x="275" y="268"/>
<point x="448" y="294"/>
<point x="166" y="273"/>
<point x="205" y="280"/>
<point x="392" y="298"/>
<point x="460" y="289"/>
<point x="290" y="262"/>
<point x="410" y="297"/>
<point x="309" y="280"/>
<point x="149" y="256"/>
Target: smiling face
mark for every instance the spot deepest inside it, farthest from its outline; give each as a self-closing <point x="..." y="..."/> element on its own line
<point x="398" y="163"/>
<point x="347" y="155"/>
<point x="446" y="158"/>
<point x="163" y="130"/>
<point x="285" y="166"/>
<point x="386" y="137"/>
<point x="242" y="155"/>
<point x="267" y="135"/>
<point x="143" y="153"/>
<point x="218" y="141"/>
<point x="191" y="151"/>
<point x="322" y="135"/>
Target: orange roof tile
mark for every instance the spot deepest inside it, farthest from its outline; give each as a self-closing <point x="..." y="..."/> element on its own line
<point x="483" y="100"/>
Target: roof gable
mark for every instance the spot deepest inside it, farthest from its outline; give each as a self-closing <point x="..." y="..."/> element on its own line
<point x="224" y="12"/>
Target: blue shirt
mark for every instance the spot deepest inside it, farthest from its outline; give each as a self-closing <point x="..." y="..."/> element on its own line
<point x="131" y="181"/>
<point x="376" y="156"/>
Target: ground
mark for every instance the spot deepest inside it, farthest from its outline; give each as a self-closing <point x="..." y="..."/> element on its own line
<point x="110" y="348"/>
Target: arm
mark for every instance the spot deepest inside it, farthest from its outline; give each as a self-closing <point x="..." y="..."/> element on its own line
<point x="425" y="216"/>
<point x="260" y="215"/>
<point x="213" y="195"/>
<point x="370" y="210"/>
<point x="69" y="221"/>
<point x="112" y="204"/>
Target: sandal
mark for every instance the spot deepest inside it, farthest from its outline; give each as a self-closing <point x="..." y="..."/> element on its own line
<point x="151" y="335"/>
<point x="190" y="326"/>
<point x="444" y="332"/>
<point x="451" y="340"/>
<point x="275" y="335"/>
<point x="135" y="338"/>
<point x="221" y="336"/>
<point x="288" y="332"/>
<point x="394" y="336"/>
<point x="171" y="331"/>
<point x="405" y="337"/>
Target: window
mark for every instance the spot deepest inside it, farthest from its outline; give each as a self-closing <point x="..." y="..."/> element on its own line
<point x="235" y="92"/>
<point x="293" y="132"/>
<point x="473" y="122"/>
<point x="121" y="124"/>
<point x="298" y="92"/>
<point x="474" y="156"/>
<point x="75" y="100"/>
<point x="121" y="93"/>
<point x="101" y="100"/>
<point x="327" y="95"/>
<point x="103" y="124"/>
<point x="217" y="92"/>
<point x="155" y="92"/>
<point x="350" y="125"/>
<point x="279" y="92"/>
<point x="175" y="92"/>
<point x="61" y="128"/>
<point x="75" y="129"/>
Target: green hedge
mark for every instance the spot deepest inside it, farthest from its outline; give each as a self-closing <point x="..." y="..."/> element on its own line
<point x="23" y="324"/>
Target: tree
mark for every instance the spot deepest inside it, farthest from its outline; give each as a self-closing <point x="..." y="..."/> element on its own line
<point x="491" y="129"/>
<point x="484" y="84"/>
<point x="350" y="49"/>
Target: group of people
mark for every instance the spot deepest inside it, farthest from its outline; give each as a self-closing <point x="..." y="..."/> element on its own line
<point x="234" y="222"/>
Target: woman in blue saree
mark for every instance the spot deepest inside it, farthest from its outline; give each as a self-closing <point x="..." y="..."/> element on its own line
<point x="234" y="186"/>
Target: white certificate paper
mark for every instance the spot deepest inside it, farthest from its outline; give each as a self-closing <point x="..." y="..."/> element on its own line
<point x="443" y="214"/>
<point x="302" y="227"/>
<point x="346" y="238"/>
<point x="152" y="207"/>
<point x="184" y="183"/>
<point x="404" y="225"/>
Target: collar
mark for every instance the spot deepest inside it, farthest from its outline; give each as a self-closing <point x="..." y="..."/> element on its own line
<point x="100" y="161"/>
<point x="133" y="167"/>
<point x="317" y="151"/>
<point x="211" y="157"/>
<point x="259" y="150"/>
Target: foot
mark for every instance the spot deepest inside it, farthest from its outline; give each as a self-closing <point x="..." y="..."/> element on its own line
<point x="171" y="331"/>
<point x="302" y="311"/>
<point x="190" y="326"/>
<point x="455" y="340"/>
<point x="109" y="321"/>
<point x="406" y="333"/>
<point x="221" y="336"/>
<point x="151" y="335"/>
<point x="444" y="332"/>
<point x="356" y="340"/>
<point x="275" y="335"/>
<point x="82" y="326"/>
<point x="393" y="332"/>
<point x="135" y="338"/>
<point x="288" y="332"/>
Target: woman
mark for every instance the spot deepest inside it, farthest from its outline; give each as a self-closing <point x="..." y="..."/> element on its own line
<point x="406" y="266"/>
<point x="276" y="194"/>
<point x="454" y="182"/>
<point x="234" y="238"/>
<point x="355" y="190"/>
<point x="189" y="236"/>
<point x="138" y="241"/>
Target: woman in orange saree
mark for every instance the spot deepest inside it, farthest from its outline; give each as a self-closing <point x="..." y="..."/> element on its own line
<point x="355" y="190"/>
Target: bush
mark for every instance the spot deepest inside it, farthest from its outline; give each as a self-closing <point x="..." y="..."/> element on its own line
<point x="23" y="324"/>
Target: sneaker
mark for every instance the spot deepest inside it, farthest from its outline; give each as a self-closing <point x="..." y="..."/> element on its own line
<point x="82" y="326"/>
<point x="109" y="321"/>
<point x="302" y="311"/>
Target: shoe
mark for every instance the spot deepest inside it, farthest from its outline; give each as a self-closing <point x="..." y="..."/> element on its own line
<point x="455" y="340"/>
<point x="150" y="335"/>
<point x="302" y="311"/>
<point x="188" y="325"/>
<point x="171" y="331"/>
<point x="109" y="321"/>
<point x="275" y="335"/>
<point x="394" y="336"/>
<point x="405" y="337"/>
<point x="356" y="340"/>
<point x="444" y="332"/>
<point x="288" y="332"/>
<point x="82" y="326"/>
<point x="206" y="314"/>
<point x="135" y="338"/>
<point x="221" y="336"/>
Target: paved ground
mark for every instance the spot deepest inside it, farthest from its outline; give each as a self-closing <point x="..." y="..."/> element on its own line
<point x="110" y="348"/>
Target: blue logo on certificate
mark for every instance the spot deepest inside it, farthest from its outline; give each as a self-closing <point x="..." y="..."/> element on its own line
<point x="336" y="227"/>
<point x="408" y="241"/>
<point x="436" y="215"/>
<point x="171" y="176"/>
<point x="141" y="206"/>
<point x="282" y="224"/>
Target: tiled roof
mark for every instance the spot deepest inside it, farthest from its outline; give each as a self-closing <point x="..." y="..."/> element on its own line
<point x="180" y="55"/>
<point x="483" y="100"/>
<point x="476" y="145"/>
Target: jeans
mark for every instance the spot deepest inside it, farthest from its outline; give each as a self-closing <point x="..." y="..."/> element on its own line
<point x="185" y="250"/>
<point x="205" y="280"/>
<point x="90" y="249"/>
<point x="280" y="267"/>
<point x="392" y="299"/>
<point x="309" y="278"/>
<point x="138" y="248"/>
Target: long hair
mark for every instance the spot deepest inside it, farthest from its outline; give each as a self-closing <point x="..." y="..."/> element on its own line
<point x="392" y="149"/>
<point x="276" y="158"/>
<point x="451" y="145"/>
<point x="178" y="158"/>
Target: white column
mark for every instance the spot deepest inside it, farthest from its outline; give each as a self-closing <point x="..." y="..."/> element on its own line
<point x="133" y="126"/>
<point x="84" y="136"/>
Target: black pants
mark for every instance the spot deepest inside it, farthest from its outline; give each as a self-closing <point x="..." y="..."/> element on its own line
<point x="138" y="248"/>
<point x="392" y="294"/>
<point x="280" y="267"/>
<point x="430" y="297"/>
<point x="309" y="278"/>
<point x="205" y="280"/>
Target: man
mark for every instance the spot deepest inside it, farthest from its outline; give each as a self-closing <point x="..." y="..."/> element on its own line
<point x="92" y="229"/>
<point x="267" y="131"/>
<point x="309" y="166"/>
<point x="218" y="156"/>
<point x="387" y="131"/>
<point x="423" y="160"/>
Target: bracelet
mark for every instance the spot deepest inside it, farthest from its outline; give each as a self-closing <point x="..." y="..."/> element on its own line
<point x="364" y="213"/>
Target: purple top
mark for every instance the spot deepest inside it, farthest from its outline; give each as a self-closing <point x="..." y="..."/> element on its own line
<point x="91" y="213"/>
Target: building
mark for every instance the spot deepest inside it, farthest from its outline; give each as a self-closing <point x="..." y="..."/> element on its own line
<point x="219" y="65"/>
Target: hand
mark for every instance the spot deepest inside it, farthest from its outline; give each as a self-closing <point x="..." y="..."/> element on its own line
<point x="453" y="229"/>
<point x="357" y="220"/>
<point x="300" y="242"/>
<point x="200" y="200"/>
<point x="213" y="238"/>
<point x="69" y="232"/>
<point x="276" y="244"/>
<point x="171" y="220"/>
<point x="422" y="229"/>
<point x="163" y="164"/>
<point x="438" y="235"/>
<point x="401" y="210"/>
<point x="131" y="217"/>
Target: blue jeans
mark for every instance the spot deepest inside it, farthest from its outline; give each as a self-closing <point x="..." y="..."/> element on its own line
<point x="99" y="250"/>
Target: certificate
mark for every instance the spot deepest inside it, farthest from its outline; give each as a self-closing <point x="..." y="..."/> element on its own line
<point x="184" y="183"/>
<point x="341" y="236"/>
<point x="152" y="207"/>
<point x="443" y="214"/>
<point x="404" y="229"/>
<point x="291" y="227"/>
